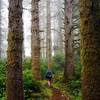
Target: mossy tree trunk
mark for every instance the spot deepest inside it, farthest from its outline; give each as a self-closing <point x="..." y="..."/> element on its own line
<point x="69" y="64"/>
<point x="48" y="35"/>
<point x="35" y="40"/>
<point x="90" y="48"/>
<point x="14" y="82"/>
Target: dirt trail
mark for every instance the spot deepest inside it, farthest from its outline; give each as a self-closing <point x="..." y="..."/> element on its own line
<point x="57" y="95"/>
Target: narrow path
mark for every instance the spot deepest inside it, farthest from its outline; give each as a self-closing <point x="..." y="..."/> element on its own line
<point x="57" y="95"/>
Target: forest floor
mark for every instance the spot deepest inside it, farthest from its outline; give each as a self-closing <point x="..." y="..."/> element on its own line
<point x="58" y="95"/>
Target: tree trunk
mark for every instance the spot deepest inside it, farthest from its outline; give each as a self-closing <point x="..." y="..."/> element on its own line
<point x="48" y="36"/>
<point x="35" y="41"/>
<point x="14" y="52"/>
<point x="69" y="64"/>
<point x="90" y="48"/>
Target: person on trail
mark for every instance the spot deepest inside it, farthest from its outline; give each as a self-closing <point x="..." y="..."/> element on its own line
<point x="49" y="76"/>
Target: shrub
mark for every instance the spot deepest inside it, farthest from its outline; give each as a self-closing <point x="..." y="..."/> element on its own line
<point x="34" y="89"/>
<point x="43" y="67"/>
<point x="74" y="85"/>
<point x="27" y="63"/>
<point x="58" y="62"/>
<point x="2" y="78"/>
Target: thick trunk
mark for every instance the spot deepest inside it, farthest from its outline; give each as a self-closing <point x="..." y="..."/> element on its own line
<point x="35" y="41"/>
<point x="90" y="48"/>
<point x="69" y="64"/>
<point x="14" y="52"/>
<point x="48" y="36"/>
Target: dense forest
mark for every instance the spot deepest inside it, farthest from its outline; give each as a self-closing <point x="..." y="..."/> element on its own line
<point x="49" y="50"/>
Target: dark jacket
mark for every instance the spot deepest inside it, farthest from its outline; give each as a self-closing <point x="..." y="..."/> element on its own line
<point x="48" y="74"/>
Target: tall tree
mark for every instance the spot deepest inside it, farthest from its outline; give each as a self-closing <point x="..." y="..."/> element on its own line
<point x="90" y="48"/>
<point x="14" y="52"/>
<point x="35" y="40"/>
<point x="68" y="69"/>
<point x="48" y="35"/>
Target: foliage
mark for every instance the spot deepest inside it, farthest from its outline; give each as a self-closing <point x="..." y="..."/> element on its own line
<point x="43" y="67"/>
<point x="27" y="63"/>
<point x="38" y="89"/>
<point x="33" y="88"/>
<point x="2" y="79"/>
<point x="58" y="62"/>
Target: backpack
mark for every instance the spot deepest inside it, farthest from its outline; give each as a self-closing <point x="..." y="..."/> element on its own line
<point x="48" y="75"/>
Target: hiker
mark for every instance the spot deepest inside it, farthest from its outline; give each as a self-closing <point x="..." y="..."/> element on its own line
<point x="49" y="76"/>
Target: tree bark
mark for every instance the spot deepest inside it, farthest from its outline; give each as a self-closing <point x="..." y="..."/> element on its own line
<point x="14" y="83"/>
<point x="90" y="48"/>
<point x="35" y="40"/>
<point x="69" y="64"/>
<point x="48" y="36"/>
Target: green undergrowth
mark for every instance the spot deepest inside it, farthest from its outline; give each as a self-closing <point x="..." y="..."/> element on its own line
<point x="2" y="79"/>
<point x="38" y="90"/>
<point x="35" y="89"/>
